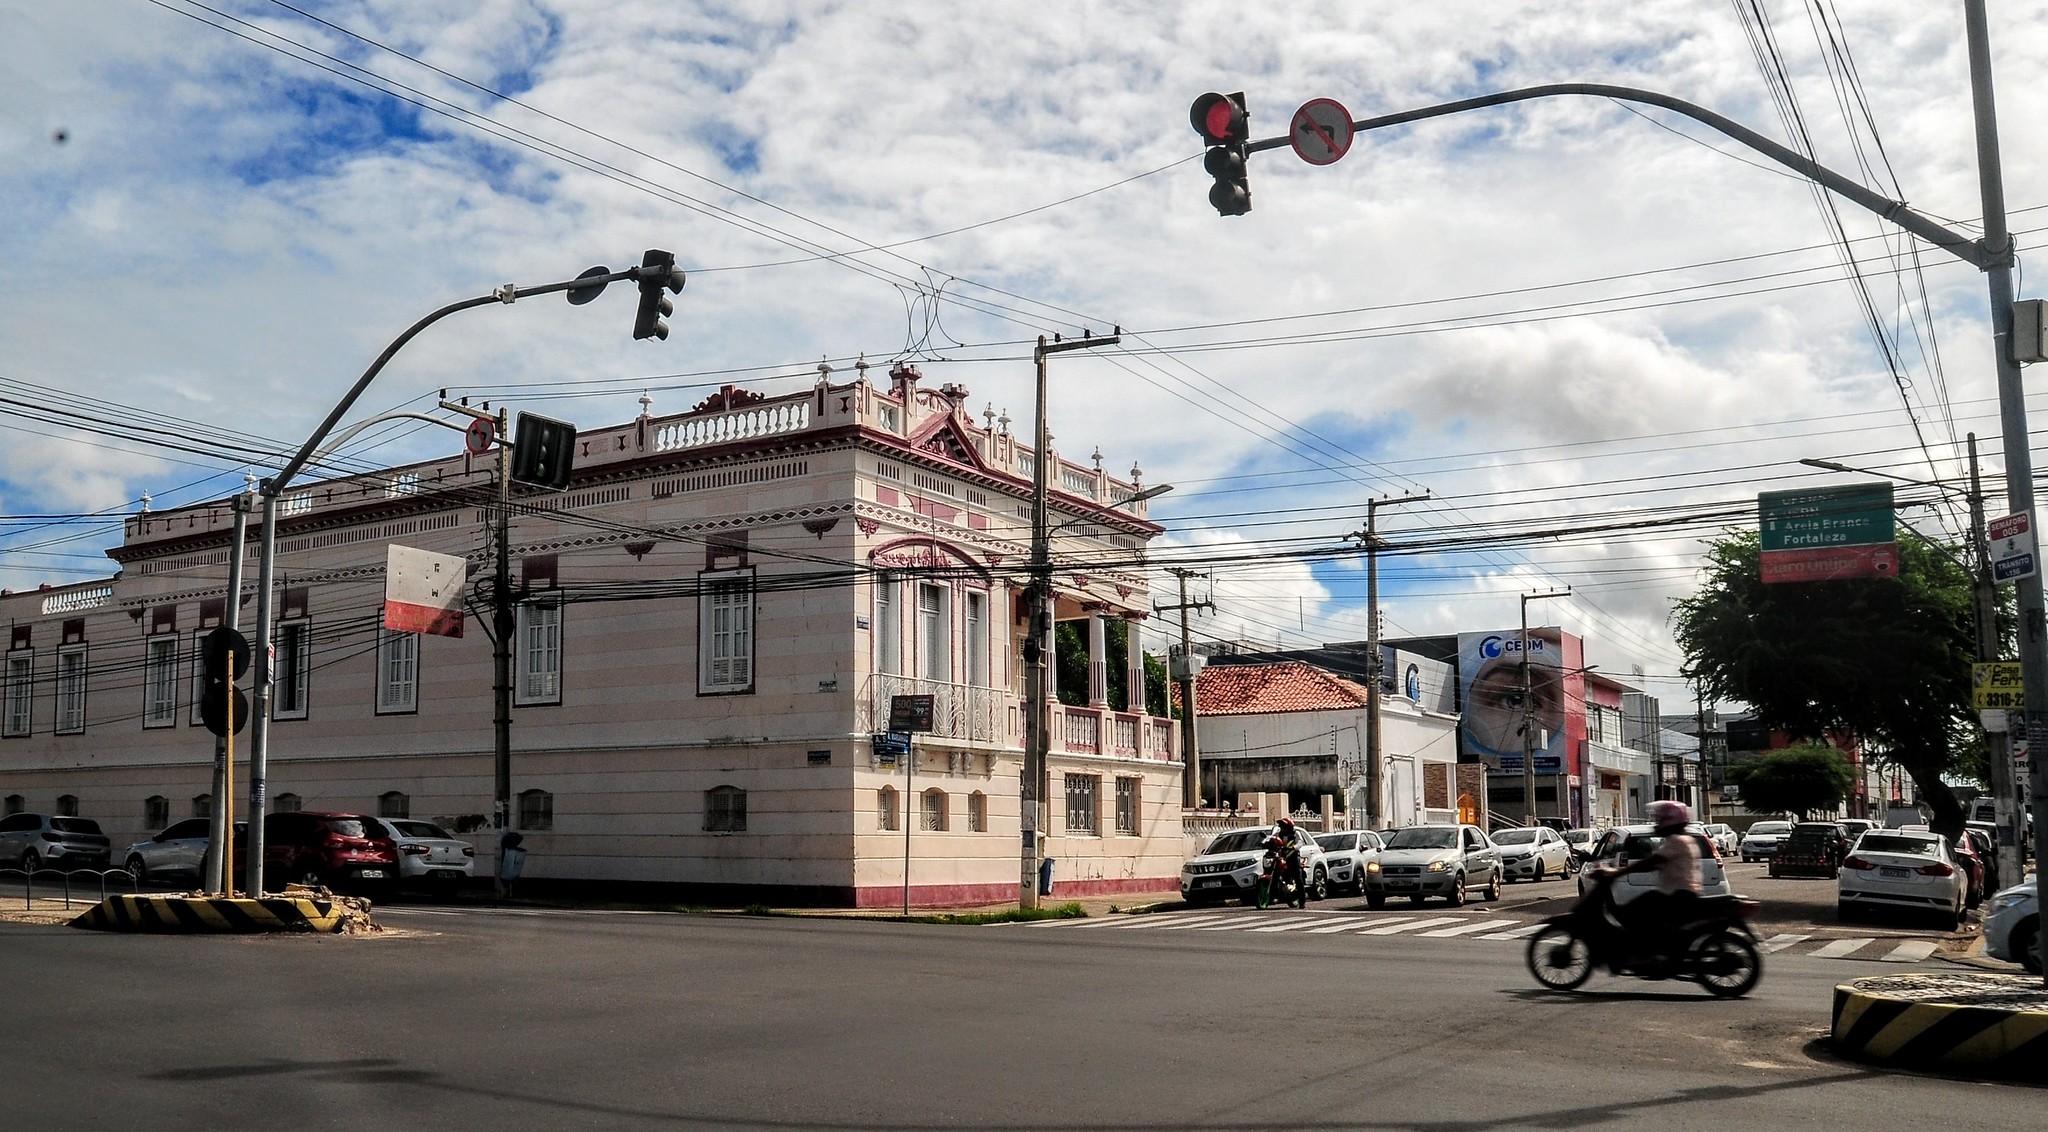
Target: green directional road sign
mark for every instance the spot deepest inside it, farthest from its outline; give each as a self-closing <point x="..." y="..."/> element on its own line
<point x="1858" y="515"/>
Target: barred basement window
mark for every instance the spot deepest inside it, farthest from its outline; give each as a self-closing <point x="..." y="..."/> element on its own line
<point x="536" y="809"/>
<point x="393" y="804"/>
<point x="885" y="808"/>
<point x="202" y="805"/>
<point x="1083" y="794"/>
<point x="285" y="804"/>
<point x="932" y="814"/>
<point x="156" y="812"/>
<point x="977" y="812"/>
<point x="725" y="810"/>
<point x="67" y="805"/>
<point x="15" y="804"/>
<point x="1127" y="790"/>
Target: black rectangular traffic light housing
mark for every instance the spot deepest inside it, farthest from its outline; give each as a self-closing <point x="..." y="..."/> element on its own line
<point x="543" y="451"/>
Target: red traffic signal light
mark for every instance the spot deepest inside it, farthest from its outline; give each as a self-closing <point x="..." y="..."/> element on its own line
<point x="1220" y="119"/>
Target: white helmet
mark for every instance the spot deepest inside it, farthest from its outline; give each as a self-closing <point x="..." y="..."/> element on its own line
<point x="1666" y="812"/>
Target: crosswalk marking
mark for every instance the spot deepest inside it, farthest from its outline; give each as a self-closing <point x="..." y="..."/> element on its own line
<point x="1234" y="923"/>
<point x="1344" y="925"/>
<point x="1467" y="929"/>
<point x="1781" y="942"/>
<point x="1289" y="926"/>
<point x="1154" y="920"/>
<point x="1517" y="933"/>
<point x="1841" y="948"/>
<point x="1391" y="929"/>
<point x="1200" y="921"/>
<point x="1911" y="951"/>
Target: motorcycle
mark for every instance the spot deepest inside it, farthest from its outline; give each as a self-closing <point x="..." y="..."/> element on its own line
<point x="1714" y="947"/>
<point x="1275" y="881"/>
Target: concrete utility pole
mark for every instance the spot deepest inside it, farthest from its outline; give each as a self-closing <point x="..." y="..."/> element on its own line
<point x="1038" y="644"/>
<point x="1190" y="747"/>
<point x="220" y="827"/>
<point x="1375" y="784"/>
<point x="503" y="626"/>
<point x="1529" y="713"/>
<point x="2004" y="786"/>
<point x="1699" y="705"/>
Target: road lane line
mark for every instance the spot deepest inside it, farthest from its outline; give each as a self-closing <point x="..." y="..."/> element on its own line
<point x="1841" y="948"/>
<point x="1781" y="942"/>
<point x="1467" y="929"/>
<point x="1518" y="933"/>
<point x="1912" y="951"/>
<point x="1391" y="929"/>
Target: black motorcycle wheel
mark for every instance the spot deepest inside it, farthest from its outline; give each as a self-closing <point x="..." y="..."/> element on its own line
<point x="1559" y="958"/>
<point x="1726" y="964"/>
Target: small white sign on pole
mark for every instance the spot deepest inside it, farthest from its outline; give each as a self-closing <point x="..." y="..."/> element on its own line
<point x="422" y="591"/>
<point x="2012" y="547"/>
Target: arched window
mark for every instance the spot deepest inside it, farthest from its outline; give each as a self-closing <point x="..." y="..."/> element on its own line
<point x="977" y="812"/>
<point x="725" y="809"/>
<point x="885" y="807"/>
<point x="536" y="809"/>
<point x="202" y="805"/>
<point x="285" y="804"/>
<point x="67" y="805"/>
<point x="156" y="812"/>
<point x="393" y="804"/>
<point x="931" y="816"/>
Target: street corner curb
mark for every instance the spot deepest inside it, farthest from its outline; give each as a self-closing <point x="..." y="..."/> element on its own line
<point x="196" y="915"/>
<point x="1961" y="1024"/>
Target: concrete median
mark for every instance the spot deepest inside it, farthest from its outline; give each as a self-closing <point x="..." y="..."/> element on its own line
<point x="1962" y="1024"/>
<point x="190" y="915"/>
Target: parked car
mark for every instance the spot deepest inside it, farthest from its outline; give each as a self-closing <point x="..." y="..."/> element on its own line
<point x="1896" y="868"/>
<point x="1624" y="845"/>
<point x="2012" y="926"/>
<point x="1813" y="848"/>
<point x="1345" y="854"/>
<point x="1420" y="861"/>
<point x="1533" y="854"/>
<point x="44" y="841"/>
<point x="428" y="854"/>
<point x="1229" y="867"/>
<point x="335" y="850"/>
<point x="178" y="853"/>
<point x="1726" y="841"/>
<point x="1580" y="842"/>
<point x="1762" y="839"/>
<point x="1857" y="827"/>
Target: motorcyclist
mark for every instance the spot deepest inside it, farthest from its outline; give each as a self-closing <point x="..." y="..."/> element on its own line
<point x="1658" y="913"/>
<point x="1286" y="843"/>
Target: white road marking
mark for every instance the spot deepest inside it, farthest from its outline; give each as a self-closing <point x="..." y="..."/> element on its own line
<point x="1290" y="926"/>
<point x="1912" y="951"/>
<point x="1201" y="921"/>
<point x="1391" y="929"/>
<point x="1518" y="933"/>
<point x="1344" y="925"/>
<point x="1155" y="920"/>
<point x="1781" y="942"/>
<point x="1244" y="921"/>
<point x="1841" y="948"/>
<point x="1467" y="929"/>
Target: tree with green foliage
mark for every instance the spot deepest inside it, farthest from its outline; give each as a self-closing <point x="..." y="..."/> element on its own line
<point x="1070" y="655"/>
<point x="1797" y="780"/>
<point x="1886" y="660"/>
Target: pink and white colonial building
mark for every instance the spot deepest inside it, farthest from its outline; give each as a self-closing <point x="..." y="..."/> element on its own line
<point x="712" y="620"/>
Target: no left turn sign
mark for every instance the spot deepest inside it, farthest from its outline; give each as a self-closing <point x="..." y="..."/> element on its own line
<point x="1320" y="131"/>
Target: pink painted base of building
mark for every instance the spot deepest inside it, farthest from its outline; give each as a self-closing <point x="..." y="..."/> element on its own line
<point x="979" y="895"/>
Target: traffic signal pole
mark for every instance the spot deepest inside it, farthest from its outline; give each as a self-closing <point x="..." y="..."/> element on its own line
<point x="1991" y="254"/>
<point x="220" y="828"/>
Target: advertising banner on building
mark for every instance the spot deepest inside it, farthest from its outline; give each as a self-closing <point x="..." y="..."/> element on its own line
<point x="422" y="591"/>
<point x="1490" y="685"/>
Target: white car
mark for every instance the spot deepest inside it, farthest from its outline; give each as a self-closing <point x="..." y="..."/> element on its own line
<point x="1624" y="845"/>
<point x="429" y="854"/>
<point x="1532" y="854"/>
<point x="2012" y="926"/>
<point x="1346" y="854"/>
<point x="1762" y="839"/>
<point x="1228" y="867"/>
<point x="1892" y="868"/>
<point x="1726" y="841"/>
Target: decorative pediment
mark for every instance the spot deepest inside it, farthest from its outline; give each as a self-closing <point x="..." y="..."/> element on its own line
<point x="728" y="397"/>
<point x="924" y="554"/>
<point x="946" y="439"/>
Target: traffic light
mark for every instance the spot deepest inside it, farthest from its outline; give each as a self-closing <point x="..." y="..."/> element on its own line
<point x="658" y="273"/>
<point x="223" y="658"/>
<point x="1225" y="128"/>
<point x="544" y="449"/>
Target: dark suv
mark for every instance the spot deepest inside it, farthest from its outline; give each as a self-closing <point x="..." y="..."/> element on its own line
<point x="336" y="850"/>
<point x="41" y="841"/>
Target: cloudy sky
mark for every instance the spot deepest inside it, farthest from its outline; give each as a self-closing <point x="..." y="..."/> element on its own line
<point x="1555" y="316"/>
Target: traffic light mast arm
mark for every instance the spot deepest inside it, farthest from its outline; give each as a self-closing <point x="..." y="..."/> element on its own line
<point x="1957" y="244"/>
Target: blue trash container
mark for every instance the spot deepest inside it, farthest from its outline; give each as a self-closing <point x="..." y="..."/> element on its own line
<point x="1045" y="876"/>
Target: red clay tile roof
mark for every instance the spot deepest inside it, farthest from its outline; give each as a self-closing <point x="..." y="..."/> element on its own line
<point x="1293" y="685"/>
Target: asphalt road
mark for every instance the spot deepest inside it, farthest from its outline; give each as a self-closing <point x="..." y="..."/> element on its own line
<point x="512" y="1019"/>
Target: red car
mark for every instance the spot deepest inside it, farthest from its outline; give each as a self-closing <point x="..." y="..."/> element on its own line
<point x="339" y="851"/>
<point x="1972" y="864"/>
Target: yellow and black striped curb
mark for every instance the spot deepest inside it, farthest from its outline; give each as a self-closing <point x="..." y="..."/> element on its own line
<point x="1974" y="1024"/>
<point x="212" y="914"/>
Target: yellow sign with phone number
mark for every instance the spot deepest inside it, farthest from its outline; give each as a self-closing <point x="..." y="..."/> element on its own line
<point x="1996" y="684"/>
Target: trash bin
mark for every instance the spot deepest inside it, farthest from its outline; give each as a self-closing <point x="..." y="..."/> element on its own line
<point x="1045" y="877"/>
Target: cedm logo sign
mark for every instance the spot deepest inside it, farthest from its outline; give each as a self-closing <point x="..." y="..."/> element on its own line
<point x="1493" y="647"/>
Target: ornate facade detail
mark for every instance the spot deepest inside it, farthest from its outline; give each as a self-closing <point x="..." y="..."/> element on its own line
<point x="818" y="527"/>
<point x="727" y="397"/>
<point x="868" y="527"/>
<point x="923" y="554"/>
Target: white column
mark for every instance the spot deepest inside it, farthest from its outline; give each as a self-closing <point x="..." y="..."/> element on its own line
<point x="1098" y="661"/>
<point x="1134" y="668"/>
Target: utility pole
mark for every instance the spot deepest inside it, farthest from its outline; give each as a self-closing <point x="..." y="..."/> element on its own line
<point x="1529" y="713"/>
<point x="1038" y="644"/>
<point x="220" y="826"/>
<point x="1190" y="751"/>
<point x="1699" y="706"/>
<point x="503" y="627"/>
<point x="1375" y="784"/>
<point x="2003" y="781"/>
